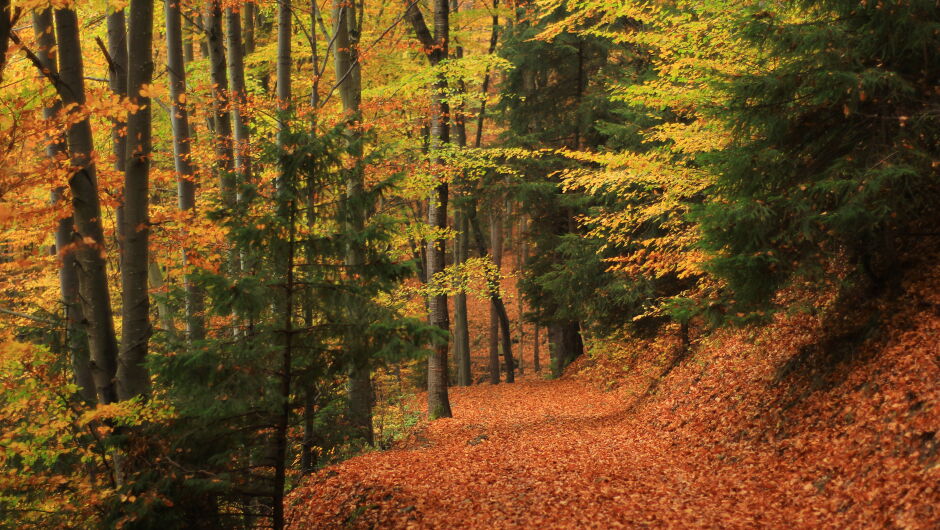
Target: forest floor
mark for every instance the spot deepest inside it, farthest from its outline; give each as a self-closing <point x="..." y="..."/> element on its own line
<point x="759" y="428"/>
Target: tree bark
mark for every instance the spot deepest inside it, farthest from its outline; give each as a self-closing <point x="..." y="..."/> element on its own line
<point x="495" y="297"/>
<point x="461" y="324"/>
<point x="186" y="188"/>
<point x="117" y="80"/>
<point x="75" y="340"/>
<point x="133" y="380"/>
<point x="565" y="345"/>
<point x="88" y="236"/>
<point x="236" y="72"/>
<point x="248" y="19"/>
<point x="536" y="362"/>
<point x="223" y="125"/>
<point x="461" y="327"/>
<point x="348" y="81"/>
<point x="496" y="251"/>
<point x="436" y="50"/>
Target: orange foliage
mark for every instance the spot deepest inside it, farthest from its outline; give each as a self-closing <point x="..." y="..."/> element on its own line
<point x="727" y="439"/>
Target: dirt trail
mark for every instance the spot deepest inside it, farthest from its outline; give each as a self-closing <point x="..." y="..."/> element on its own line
<point x="536" y="454"/>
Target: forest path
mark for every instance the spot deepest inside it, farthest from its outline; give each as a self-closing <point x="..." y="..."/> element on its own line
<point x="535" y="454"/>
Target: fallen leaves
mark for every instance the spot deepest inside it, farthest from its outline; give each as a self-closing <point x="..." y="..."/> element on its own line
<point x="723" y="442"/>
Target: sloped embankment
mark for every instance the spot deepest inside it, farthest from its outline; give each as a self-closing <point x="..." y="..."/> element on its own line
<point x="755" y="430"/>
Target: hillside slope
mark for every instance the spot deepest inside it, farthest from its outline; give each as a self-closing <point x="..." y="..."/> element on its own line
<point x="757" y="428"/>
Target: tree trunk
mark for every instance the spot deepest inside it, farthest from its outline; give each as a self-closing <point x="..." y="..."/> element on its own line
<point x="132" y="377"/>
<point x="186" y="37"/>
<point x="536" y="362"/>
<point x="461" y="324"/>
<point x="117" y="80"/>
<point x="248" y="19"/>
<point x="461" y="327"/>
<point x="348" y="81"/>
<point x="88" y="236"/>
<point x="565" y="345"/>
<point x="223" y="125"/>
<point x="283" y="56"/>
<point x="236" y="71"/>
<point x="435" y="47"/>
<point x="438" y="399"/>
<point x="186" y="188"/>
<point x="496" y="298"/>
<point x="496" y="251"/>
<point x="75" y="339"/>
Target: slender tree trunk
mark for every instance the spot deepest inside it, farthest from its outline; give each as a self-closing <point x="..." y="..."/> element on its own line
<point x="496" y="252"/>
<point x="461" y="328"/>
<point x="75" y="339"/>
<point x="186" y="188"/>
<point x="461" y="324"/>
<point x="132" y="377"/>
<point x="438" y="400"/>
<point x="248" y="18"/>
<point x="236" y="71"/>
<point x="536" y="362"/>
<point x="495" y="297"/>
<point x="117" y="80"/>
<point x="223" y="125"/>
<point x="186" y="37"/>
<point x="348" y="81"/>
<point x="283" y="57"/>
<point x="88" y="235"/>
<point x="283" y="419"/>
<point x="435" y="47"/>
<point x="494" y="40"/>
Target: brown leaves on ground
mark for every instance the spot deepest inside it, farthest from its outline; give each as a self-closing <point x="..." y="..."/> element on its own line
<point x="726" y="440"/>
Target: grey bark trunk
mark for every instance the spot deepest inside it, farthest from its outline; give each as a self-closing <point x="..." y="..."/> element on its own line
<point x="348" y="81"/>
<point x="236" y="72"/>
<point x="461" y="324"/>
<point x="132" y="377"/>
<point x="88" y="236"/>
<point x="117" y="80"/>
<point x="438" y="399"/>
<point x="496" y="298"/>
<point x="461" y="328"/>
<point x="75" y="340"/>
<point x="435" y="47"/>
<point x="496" y="252"/>
<point x="248" y="19"/>
<point x="536" y="362"/>
<point x="185" y="187"/>
<point x="223" y="124"/>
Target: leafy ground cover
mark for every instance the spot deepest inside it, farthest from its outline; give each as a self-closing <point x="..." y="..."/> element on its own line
<point x="757" y="429"/>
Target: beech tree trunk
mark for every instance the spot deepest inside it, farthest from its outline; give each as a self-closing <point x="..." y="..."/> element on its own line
<point x="117" y="80"/>
<point x="496" y="298"/>
<point x="185" y="187"/>
<point x="236" y="72"/>
<point x="461" y="324"/>
<point x="349" y="85"/>
<point x="435" y="48"/>
<point x="75" y="340"/>
<point x="132" y="377"/>
<point x="88" y="235"/>
<point x="496" y="251"/>
<point x="223" y="125"/>
<point x="248" y="20"/>
<point x="536" y="362"/>
<point x="461" y="327"/>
